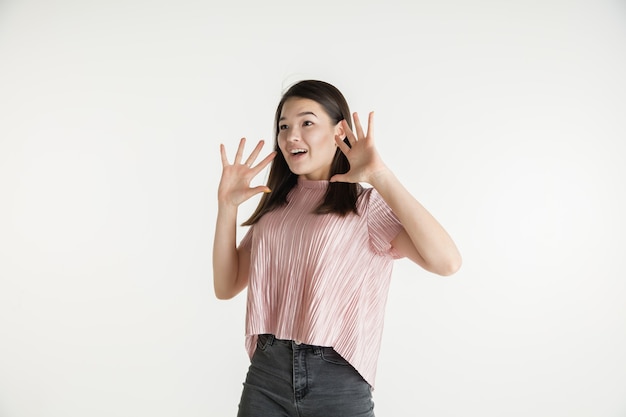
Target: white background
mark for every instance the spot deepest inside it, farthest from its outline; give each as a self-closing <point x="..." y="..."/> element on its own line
<point x="506" y="119"/>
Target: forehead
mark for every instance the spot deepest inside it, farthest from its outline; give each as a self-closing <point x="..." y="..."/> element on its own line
<point x="295" y="106"/>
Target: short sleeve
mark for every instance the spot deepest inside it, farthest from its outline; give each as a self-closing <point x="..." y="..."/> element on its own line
<point x="383" y="224"/>
<point x="246" y="242"/>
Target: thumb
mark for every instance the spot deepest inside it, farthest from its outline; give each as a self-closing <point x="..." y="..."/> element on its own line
<point x="260" y="189"/>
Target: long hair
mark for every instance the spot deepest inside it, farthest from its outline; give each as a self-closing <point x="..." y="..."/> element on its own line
<point x="341" y="197"/>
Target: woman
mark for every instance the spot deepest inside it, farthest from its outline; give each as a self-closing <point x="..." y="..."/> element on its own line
<point x="318" y="256"/>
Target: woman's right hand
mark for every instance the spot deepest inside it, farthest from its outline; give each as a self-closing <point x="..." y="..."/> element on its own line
<point x="234" y="186"/>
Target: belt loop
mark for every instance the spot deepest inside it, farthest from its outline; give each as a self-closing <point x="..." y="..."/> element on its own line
<point x="270" y="339"/>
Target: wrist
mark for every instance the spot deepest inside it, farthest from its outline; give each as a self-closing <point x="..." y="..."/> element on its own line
<point x="227" y="207"/>
<point x="381" y="177"/>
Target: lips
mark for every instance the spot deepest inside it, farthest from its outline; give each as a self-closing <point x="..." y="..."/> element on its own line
<point x="295" y="154"/>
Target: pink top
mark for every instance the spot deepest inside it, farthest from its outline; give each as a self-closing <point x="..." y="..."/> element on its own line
<point x="322" y="279"/>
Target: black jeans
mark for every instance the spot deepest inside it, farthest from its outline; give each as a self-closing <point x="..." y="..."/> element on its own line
<point x="289" y="379"/>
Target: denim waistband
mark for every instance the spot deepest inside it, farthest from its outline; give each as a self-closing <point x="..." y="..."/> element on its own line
<point x="269" y="339"/>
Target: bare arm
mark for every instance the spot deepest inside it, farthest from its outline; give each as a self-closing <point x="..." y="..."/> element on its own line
<point x="231" y="265"/>
<point x="423" y="240"/>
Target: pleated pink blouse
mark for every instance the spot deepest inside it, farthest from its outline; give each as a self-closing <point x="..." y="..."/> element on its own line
<point x="322" y="279"/>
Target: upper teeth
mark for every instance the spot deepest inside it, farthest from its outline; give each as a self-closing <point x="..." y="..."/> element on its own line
<point x="294" y="151"/>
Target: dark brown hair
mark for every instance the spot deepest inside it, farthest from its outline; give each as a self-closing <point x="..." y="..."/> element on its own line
<point x="341" y="197"/>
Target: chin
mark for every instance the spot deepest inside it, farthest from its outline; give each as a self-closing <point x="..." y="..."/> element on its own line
<point x="297" y="171"/>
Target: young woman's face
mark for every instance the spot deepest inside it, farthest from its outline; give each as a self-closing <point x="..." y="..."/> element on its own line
<point x="306" y="137"/>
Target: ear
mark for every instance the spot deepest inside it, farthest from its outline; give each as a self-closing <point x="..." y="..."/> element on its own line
<point x="339" y="130"/>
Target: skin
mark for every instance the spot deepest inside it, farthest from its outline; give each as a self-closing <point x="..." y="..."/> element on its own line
<point x="305" y="125"/>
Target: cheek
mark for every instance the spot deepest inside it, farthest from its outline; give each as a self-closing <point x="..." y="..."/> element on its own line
<point x="281" y="143"/>
<point x="332" y="145"/>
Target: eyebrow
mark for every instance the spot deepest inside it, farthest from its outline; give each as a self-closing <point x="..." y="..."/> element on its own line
<point x="304" y="113"/>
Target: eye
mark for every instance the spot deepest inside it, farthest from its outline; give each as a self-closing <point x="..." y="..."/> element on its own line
<point x="282" y="127"/>
<point x="308" y="123"/>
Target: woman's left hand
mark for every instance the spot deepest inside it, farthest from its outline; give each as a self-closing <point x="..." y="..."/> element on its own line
<point x="365" y="162"/>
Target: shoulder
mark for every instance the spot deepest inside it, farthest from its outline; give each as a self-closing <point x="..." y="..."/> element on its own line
<point x="364" y="194"/>
<point x="369" y="198"/>
<point x="375" y="209"/>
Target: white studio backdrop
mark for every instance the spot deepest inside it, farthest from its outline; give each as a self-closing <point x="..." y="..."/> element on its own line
<point x="505" y="119"/>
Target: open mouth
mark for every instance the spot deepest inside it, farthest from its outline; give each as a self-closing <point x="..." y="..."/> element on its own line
<point x="297" y="152"/>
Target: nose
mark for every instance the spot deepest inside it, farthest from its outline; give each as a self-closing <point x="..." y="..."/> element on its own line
<point x="293" y="134"/>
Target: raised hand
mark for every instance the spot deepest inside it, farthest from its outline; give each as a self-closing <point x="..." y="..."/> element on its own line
<point x="365" y="162"/>
<point x="234" y="187"/>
